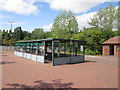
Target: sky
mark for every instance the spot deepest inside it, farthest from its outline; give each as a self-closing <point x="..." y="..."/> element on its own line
<point x="31" y="14"/>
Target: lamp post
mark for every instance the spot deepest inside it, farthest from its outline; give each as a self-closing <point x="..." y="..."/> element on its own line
<point x="11" y="24"/>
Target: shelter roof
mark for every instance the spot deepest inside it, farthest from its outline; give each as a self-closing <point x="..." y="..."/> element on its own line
<point x="49" y="39"/>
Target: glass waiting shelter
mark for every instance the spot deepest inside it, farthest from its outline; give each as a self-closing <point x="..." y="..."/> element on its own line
<point x="53" y="50"/>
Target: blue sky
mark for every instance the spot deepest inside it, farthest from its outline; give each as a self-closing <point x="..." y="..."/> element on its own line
<point x="31" y="14"/>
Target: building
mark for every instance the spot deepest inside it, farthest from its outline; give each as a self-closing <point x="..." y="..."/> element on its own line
<point x="111" y="46"/>
<point x="53" y="50"/>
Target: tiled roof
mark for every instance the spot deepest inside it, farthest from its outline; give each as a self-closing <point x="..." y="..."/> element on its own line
<point x="114" y="40"/>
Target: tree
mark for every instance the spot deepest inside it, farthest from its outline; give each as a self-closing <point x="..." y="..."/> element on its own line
<point x="27" y="35"/>
<point x="27" y="38"/>
<point x="18" y="33"/>
<point x="10" y="42"/>
<point x="37" y="33"/>
<point x="105" y="20"/>
<point x="3" y="34"/>
<point x="93" y="38"/>
<point x="118" y="22"/>
<point x="0" y="37"/>
<point x="78" y="36"/>
<point x="6" y="36"/>
<point x="64" y="25"/>
<point x="10" y="33"/>
<point x="47" y="34"/>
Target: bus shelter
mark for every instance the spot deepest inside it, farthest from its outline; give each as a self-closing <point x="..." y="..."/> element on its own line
<point x="53" y="50"/>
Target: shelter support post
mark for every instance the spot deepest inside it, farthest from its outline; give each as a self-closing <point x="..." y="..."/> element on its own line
<point x="70" y="51"/>
<point x="44" y="51"/>
<point x="83" y="52"/>
<point x="75" y="51"/>
<point x="53" y="53"/>
<point x="64" y="47"/>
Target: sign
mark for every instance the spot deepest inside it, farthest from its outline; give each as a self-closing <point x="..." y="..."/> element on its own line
<point x="81" y="48"/>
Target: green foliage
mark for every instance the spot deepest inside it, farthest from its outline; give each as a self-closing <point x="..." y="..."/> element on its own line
<point x="90" y="52"/>
<point x="18" y="33"/>
<point x="10" y="34"/>
<point x="27" y="35"/>
<point x="0" y="37"/>
<point x="118" y="23"/>
<point x="64" y="25"/>
<point x="8" y="42"/>
<point x="47" y="34"/>
<point x="105" y="18"/>
<point x="6" y="35"/>
<point x="117" y="33"/>
<point x="103" y="22"/>
<point x="9" y="37"/>
<point x="26" y="38"/>
<point x="0" y="34"/>
<point x="78" y="36"/>
<point x="38" y="33"/>
<point x="93" y="38"/>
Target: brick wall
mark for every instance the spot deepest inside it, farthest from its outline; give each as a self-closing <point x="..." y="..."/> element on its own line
<point x="105" y="50"/>
<point x="116" y="53"/>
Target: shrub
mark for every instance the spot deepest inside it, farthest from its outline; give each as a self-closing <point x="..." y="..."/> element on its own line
<point x="90" y="52"/>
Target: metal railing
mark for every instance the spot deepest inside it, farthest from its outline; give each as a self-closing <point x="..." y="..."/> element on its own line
<point x="7" y="48"/>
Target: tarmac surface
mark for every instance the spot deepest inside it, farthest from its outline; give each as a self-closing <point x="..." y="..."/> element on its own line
<point x="96" y="72"/>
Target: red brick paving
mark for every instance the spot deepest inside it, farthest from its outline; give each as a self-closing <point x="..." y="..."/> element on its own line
<point x="20" y="72"/>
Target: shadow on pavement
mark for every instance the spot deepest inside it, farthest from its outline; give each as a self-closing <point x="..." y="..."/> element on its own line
<point x="3" y="55"/>
<point x="88" y="61"/>
<point x="5" y="62"/>
<point x="41" y="84"/>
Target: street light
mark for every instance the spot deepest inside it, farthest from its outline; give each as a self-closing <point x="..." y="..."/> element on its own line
<point x="11" y="24"/>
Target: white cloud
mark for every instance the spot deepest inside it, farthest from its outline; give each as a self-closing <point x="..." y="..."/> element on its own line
<point x="5" y="17"/>
<point x="27" y="7"/>
<point x="113" y="0"/>
<point x="48" y="27"/>
<point x="83" y="20"/>
<point x="19" y="6"/>
<point x="75" y="6"/>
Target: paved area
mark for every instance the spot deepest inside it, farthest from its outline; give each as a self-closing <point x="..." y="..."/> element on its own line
<point x="110" y="60"/>
<point x="96" y="72"/>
